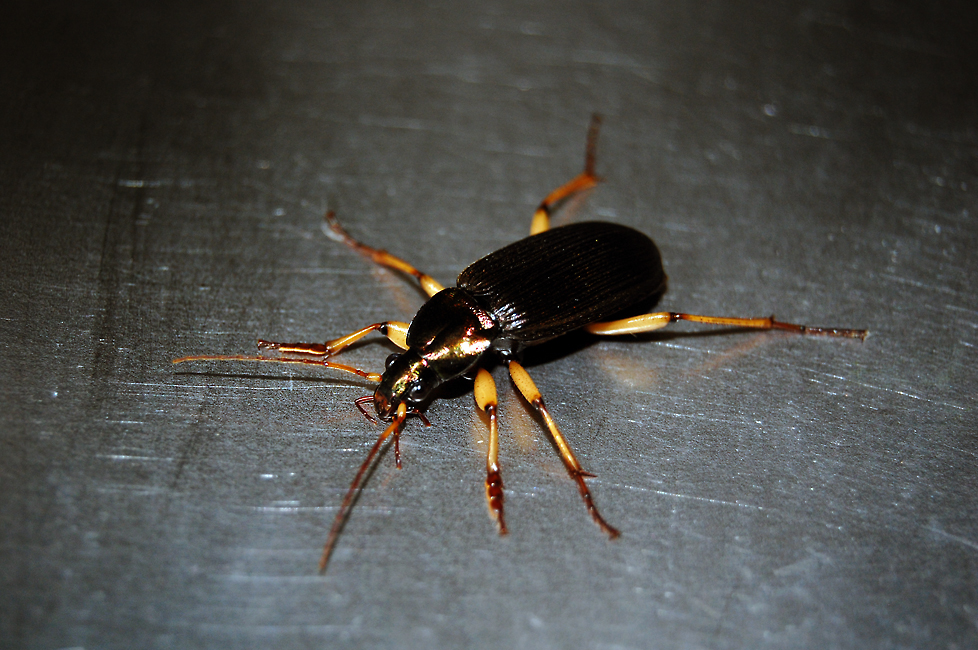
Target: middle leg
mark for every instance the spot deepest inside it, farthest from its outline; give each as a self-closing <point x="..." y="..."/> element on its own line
<point x="335" y="231"/>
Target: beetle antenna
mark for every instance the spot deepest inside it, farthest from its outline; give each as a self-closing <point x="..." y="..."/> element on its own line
<point x="356" y="486"/>
<point x="323" y="363"/>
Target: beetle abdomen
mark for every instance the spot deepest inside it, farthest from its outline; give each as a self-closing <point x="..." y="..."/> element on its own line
<point x="564" y="278"/>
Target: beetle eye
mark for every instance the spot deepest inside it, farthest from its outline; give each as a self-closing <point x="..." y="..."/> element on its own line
<point x="417" y="391"/>
<point x="391" y="359"/>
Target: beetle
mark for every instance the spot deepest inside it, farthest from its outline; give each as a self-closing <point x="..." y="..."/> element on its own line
<point x="597" y="276"/>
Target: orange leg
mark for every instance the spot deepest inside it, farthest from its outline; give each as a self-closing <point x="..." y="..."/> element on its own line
<point x="316" y="354"/>
<point x="583" y="181"/>
<point x="485" y="399"/>
<point x="396" y="331"/>
<point x="335" y="231"/>
<point x="658" y="320"/>
<point x="532" y="395"/>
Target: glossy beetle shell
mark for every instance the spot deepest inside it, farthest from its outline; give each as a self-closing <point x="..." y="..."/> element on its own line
<point x="565" y="278"/>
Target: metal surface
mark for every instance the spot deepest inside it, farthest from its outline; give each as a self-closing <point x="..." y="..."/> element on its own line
<point x="164" y="168"/>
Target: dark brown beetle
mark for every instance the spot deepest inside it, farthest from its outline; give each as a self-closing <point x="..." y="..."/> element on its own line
<point x="551" y="283"/>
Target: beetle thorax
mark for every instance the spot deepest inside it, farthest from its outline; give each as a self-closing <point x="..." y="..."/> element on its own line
<point x="447" y="338"/>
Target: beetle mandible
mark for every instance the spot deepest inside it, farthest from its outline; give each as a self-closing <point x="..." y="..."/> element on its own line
<point x="598" y="276"/>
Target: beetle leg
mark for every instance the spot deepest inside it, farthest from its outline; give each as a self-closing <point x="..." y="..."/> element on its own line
<point x="395" y="331"/>
<point x="529" y="391"/>
<point x="650" y="322"/>
<point x="335" y="231"/>
<point x="583" y="181"/>
<point x="316" y="354"/>
<point x="485" y="399"/>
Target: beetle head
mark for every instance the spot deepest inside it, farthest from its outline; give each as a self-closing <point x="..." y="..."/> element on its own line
<point x="408" y="379"/>
<point x="447" y="337"/>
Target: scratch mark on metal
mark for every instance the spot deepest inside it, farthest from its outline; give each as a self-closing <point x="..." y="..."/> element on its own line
<point x="882" y="388"/>
<point x="957" y="538"/>
<point x="676" y="495"/>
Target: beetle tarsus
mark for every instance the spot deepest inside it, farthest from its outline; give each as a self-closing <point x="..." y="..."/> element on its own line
<point x="494" y="498"/>
<point x="579" y="476"/>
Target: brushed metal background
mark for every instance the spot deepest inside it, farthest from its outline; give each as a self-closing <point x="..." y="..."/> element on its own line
<point x="164" y="168"/>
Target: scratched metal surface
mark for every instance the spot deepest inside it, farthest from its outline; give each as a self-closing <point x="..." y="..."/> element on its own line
<point x="164" y="171"/>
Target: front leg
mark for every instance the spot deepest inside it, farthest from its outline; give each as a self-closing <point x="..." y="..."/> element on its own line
<point x="396" y="331"/>
<point x="315" y="354"/>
